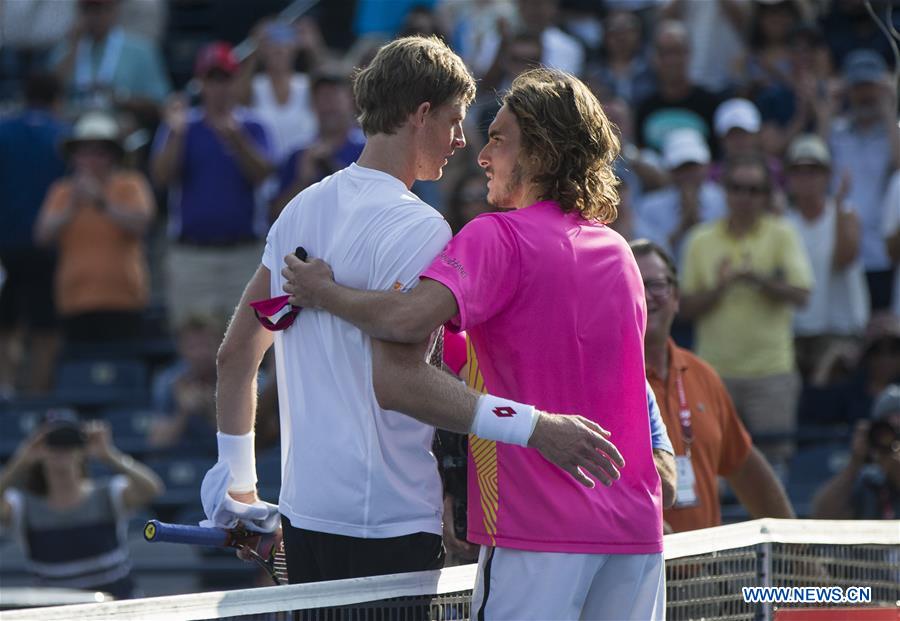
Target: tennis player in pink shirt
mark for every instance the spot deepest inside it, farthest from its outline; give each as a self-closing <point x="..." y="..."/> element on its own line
<point x="553" y="305"/>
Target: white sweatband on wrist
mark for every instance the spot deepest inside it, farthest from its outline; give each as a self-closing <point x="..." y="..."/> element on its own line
<point x="239" y="453"/>
<point x="503" y="420"/>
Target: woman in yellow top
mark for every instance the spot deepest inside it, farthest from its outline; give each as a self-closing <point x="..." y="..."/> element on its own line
<point x="97" y="216"/>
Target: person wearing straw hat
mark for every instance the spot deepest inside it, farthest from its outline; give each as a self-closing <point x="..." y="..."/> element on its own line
<point x="96" y="216"/>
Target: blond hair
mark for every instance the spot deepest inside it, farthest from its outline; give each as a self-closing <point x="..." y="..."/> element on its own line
<point x="404" y="74"/>
<point x="568" y="144"/>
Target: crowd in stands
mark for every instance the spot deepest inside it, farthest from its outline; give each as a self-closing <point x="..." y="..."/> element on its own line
<point x="147" y="146"/>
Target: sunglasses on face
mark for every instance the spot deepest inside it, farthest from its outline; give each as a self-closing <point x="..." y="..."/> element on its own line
<point x="746" y="189"/>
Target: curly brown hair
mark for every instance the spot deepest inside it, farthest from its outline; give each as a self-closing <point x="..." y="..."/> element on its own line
<point x="404" y="74"/>
<point x="568" y="144"/>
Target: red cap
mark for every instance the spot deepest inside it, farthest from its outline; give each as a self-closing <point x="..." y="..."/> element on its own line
<point x="218" y="55"/>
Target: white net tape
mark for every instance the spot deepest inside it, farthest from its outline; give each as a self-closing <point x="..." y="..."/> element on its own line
<point x="705" y="572"/>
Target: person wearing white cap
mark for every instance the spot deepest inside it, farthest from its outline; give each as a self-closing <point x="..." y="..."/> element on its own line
<point x="743" y="276"/>
<point x="97" y="217"/>
<point x="666" y="215"/>
<point x="838" y="307"/>
<point x="866" y="142"/>
<point x="738" y="127"/>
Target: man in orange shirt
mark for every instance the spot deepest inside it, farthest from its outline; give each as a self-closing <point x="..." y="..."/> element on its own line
<point x="708" y="437"/>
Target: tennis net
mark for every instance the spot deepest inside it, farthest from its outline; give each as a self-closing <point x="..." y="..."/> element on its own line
<point x="705" y="572"/>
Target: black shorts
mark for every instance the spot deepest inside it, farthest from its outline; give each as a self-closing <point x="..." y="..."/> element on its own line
<point x="26" y="297"/>
<point x="313" y="556"/>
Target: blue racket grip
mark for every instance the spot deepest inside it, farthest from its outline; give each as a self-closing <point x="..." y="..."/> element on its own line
<point x="155" y="531"/>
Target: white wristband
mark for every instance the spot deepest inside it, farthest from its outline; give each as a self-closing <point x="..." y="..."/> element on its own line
<point x="504" y="420"/>
<point x="239" y="453"/>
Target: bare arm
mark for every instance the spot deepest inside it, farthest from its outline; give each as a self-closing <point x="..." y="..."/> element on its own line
<point x="386" y="315"/>
<point x="404" y="382"/>
<point x="238" y="360"/>
<point x="834" y="500"/>
<point x="133" y="222"/>
<point x="250" y="160"/>
<point x="696" y="305"/>
<point x="893" y="246"/>
<point x="779" y="291"/>
<point x="51" y="223"/>
<point x="166" y="164"/>
<point x="665" y="466"/>
<point x="26" y="455"/>
<point x="143" y="485"/>
<point x="758" y="488"/>
<point x="847" y="239"/>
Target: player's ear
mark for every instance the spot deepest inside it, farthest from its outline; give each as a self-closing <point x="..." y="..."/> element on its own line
<point x="420" y="114"/>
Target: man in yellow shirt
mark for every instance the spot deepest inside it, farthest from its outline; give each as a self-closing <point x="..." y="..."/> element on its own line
<point x="743" y="277"/>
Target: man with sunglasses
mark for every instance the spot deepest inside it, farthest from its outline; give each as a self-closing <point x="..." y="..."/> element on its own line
<point x="708" y="437"/>
<point x="868" y="488"/>
<point x="743" y="276"/>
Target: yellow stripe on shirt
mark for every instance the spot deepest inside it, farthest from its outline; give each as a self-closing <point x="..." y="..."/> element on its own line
<point x="484" y="455"/>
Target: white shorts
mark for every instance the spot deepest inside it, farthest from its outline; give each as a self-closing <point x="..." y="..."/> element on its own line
<point x="520" y="585"/>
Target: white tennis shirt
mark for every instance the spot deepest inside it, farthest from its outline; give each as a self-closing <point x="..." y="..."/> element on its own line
<point x="349" y="467"/>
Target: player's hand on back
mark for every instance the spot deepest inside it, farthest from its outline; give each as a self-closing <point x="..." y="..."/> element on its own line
<point x="579" y="446"/>
<point x="305" y="281"/>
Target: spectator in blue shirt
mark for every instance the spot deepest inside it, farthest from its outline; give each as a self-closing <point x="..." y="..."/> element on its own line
<point x="213" y="159"/>
<point x="338" y="144"/>
<point x="29" y="163"/>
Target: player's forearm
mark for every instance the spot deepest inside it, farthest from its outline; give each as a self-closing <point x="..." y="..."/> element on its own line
<point x="385" y="315"/>
<point x="404" y="382"/>
<point x="759" y="489"/>
<point x="238" y="360"/>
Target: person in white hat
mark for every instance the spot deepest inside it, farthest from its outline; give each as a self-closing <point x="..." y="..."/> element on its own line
<point x="96" y="216"/>
<point x="739" y="130"/>
<point x="838" y="307"/>
<point x="666" y="215"/>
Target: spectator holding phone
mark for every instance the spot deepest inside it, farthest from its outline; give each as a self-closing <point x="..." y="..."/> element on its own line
<point x="72" y="527"/>
<point x="868" y="488"/>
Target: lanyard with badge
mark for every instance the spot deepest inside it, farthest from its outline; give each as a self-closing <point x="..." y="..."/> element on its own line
<point x="91" y="86"/>
<point x="686" y="492"/>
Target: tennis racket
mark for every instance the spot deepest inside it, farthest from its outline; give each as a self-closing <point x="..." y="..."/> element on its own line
<point x="261" y="547"/>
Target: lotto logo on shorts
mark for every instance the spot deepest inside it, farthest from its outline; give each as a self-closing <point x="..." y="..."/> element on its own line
<point x="504" y="412"/>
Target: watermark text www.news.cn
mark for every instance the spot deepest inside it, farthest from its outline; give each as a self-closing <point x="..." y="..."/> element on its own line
<point x="807" y="595"/>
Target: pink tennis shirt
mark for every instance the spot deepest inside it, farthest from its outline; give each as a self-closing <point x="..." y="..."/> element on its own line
<point x="553" y="306"/>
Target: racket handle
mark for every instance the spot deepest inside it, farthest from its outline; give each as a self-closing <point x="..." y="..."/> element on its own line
<point x="300" y="253"/>
<point x="155" y="531"/>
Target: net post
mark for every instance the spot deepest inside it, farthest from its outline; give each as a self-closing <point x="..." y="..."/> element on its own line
<point x="764" y="568"/>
